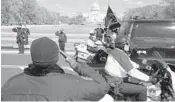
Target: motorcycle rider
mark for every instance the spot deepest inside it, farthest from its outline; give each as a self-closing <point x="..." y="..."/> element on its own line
<point x="99" y="32"/>
<point x="93" y="43"/>
<point x="120" y="67"/>
<point x="96" y="46"/>
<point x="62" y="39"/>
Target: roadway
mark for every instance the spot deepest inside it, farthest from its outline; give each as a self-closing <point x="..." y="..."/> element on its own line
<point x="22" y="59"/>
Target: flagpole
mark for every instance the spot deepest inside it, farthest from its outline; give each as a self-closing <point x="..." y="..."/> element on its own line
<point x="108" y="2"/>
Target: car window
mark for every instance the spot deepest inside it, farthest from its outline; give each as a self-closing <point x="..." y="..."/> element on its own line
<point x="160" y="30"/>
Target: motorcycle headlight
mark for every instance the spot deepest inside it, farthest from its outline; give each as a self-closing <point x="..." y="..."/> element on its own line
<point x="141" y="52"/>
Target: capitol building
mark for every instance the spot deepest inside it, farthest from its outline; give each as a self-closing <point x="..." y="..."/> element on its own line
<point x="94" y="16"/>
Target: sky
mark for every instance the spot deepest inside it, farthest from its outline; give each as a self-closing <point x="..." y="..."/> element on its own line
<point x="75" y="6"/>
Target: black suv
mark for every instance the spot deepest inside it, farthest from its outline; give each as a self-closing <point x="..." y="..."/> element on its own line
<point x="147" y="36"/>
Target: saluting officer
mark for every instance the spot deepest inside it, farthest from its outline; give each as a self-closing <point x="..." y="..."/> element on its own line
<point x="20" y="38"/>
<point x="62" y="39"/>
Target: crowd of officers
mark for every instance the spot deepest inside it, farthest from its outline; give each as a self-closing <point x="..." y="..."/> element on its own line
<point x="45" y="80"/>
<point x="23" y="33"/>
<point x="104" y="35"/>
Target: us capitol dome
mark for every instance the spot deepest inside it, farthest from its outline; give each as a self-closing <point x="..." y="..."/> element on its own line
<point x="94" y="15"/>
<point x="95" y="7"/>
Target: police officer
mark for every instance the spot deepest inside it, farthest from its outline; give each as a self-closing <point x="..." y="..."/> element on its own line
<point x="95" y="46"/>
<point x="99" y="32"/>
<point x="20" y="38"/>
<point x="62" y="39"/>
<point x="120" y="66"/>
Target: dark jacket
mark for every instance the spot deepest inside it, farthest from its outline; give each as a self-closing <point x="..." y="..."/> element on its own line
<point x="62" y="36"/>
<point x="21" y="32"/>
<point x="56" y="87"/>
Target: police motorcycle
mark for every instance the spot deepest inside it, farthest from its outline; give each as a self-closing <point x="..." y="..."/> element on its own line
<point x="84" y="54"/>
<point x="162" y="90"/>
<point x="165" y="88"/>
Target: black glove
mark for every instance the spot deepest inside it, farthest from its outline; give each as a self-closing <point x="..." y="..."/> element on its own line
<point x="162" y="64"/>
<point x="153" y="80"/>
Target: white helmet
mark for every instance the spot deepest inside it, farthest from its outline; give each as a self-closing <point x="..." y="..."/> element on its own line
<point x="92" y="32"/>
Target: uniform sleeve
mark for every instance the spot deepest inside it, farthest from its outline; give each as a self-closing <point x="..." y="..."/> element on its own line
<point x="138" y="74"/>
<point x="92" y="90"/>
<point x="14" y="29"/>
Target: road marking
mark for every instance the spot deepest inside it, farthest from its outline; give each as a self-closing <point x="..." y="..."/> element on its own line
<point x="28" y="52"/>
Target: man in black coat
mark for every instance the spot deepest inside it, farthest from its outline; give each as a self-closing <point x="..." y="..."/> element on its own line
<point x="62" y="39"/>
